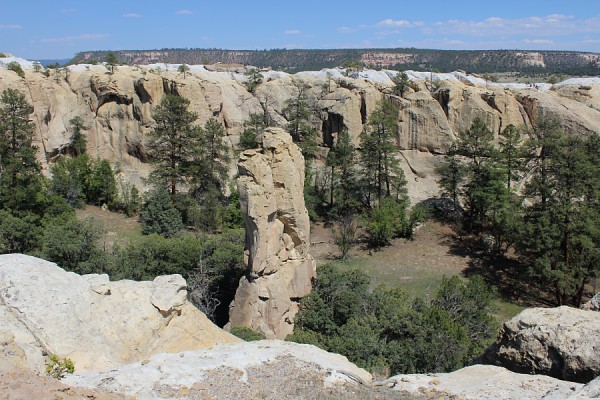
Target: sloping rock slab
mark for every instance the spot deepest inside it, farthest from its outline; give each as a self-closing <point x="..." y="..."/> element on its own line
<point x="562" y="342"/>
<point x="96" y="323"/>
<point x="193" y="371"/>
<point x="484" y="382"/>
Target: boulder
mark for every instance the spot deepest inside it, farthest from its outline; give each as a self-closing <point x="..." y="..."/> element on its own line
<point x="484" y="382"/>
<point x="226" y="370"/>
<point x="593" y="304"/>
<point x="562" y="342"/>
<point x="279" y="267"/>
<point x="96" y="323"/>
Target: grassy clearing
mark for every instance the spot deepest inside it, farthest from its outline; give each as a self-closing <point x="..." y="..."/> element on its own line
<point x="119" y="230"/>
<point x="417" y="266"/>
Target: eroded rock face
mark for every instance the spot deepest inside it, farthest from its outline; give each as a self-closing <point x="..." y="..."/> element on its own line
<point x="562" y="342"/>
<point x="96" y="323"/>
<point x="279" y="267"/>
<point x="117" y="108"/>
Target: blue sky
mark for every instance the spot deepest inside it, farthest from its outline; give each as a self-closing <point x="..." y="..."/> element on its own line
<point x="58" y="29"/>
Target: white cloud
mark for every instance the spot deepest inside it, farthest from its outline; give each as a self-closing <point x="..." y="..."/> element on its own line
<point x="184" y="12"/>
<point x="398" y="23"/>
<point x="68" y="10"/>
<point x="77" y="38"/>
<point x="550" y="25"/>
<point x="346" y="29"/>
<point x="132" y="15"/>
<point x="292" y="32"/>
<point x="10" y="26"/>
<point x="538" y="41"/>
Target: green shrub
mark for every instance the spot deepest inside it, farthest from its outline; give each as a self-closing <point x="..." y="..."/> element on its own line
<point x="160" y="216"/>
<point x="57" y="367"/>
<point x="16" y="67"/>
<point x="246" y="334"/>
<point x="385" y="330"/>
<point x="74" y="245"/>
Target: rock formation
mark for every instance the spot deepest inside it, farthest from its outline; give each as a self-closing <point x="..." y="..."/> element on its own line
<point x="195" y="373"/>
<point x="485" y="382"/>
<point x="117" y="108"/>
<point x="279" y="267"/>
<point x="562" y="342"/>
<point x="96" y="323"/>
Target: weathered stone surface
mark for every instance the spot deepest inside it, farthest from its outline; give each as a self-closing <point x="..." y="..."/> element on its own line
<point x="562" y="342"/>
<point x="117" y="108"/>
<point x="485" y="382"/>
<point x="187" y="371"/>
<point x="279" y="266"/>
<point x="96" y="323"/>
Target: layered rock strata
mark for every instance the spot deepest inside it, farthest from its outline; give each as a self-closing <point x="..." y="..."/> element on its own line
<point x="279" y="267"/>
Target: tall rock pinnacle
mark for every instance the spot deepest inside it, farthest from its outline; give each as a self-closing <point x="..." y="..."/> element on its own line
<point x="279" y="267"/>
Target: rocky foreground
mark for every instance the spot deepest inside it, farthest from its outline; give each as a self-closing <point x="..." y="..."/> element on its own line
<point x="143" y="340"/>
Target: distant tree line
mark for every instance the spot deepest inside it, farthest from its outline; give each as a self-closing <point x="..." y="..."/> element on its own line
<point x="295" y="60"/>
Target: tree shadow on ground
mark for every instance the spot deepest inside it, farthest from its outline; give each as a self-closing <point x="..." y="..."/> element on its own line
<point x="502" y="271"/>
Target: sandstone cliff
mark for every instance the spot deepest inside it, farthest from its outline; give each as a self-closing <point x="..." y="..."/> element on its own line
<point x="117" y="108"/>
<point x="97" y="323"/>
<point x="279" y="267"/>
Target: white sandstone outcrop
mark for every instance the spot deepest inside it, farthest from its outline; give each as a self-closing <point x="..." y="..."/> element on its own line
<point x="96" y="323"/>
<point x="189" y="372"/>
<point x="485" y="382"/>
<point x="562" y="342"/>
<point x="117" y="108"/>
<point x="279" y="267"/>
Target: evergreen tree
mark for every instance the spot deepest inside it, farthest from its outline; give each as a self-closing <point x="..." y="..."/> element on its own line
<point x="160" y="216"/>
<point x="252" y="128"/>
<point x="183" y="69"/>
<point x="512" y="155"/>
<point x="401" y="83"/>
<point x="102" y="186"/>
<point x="78" y="142"/>
<point x="175" y="145"/>
<point x="381" y="174"/>
<point x="561" y="237"/>
<point x="485" y="190"/>
<point x="298" y="115"/>
<point x="20" y="178"/>
<point x="111" y="61"/>
<point x="214" y="156"/>
<point x="254" y="79"/>
<point x="341" y="159"/>
<point x="452" y="172"/>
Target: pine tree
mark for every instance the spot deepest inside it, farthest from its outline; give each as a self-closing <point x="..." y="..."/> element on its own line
<point x="561" y="235"/>
<point x="175" y="145"/>
<point x="298" y="115"/>
<point x="252" y="128"/>
<point x="381" y="174"/>
<point x="213" y="155"/>
<point x="512" y="155"/>
<point x="452" y="172"/>
<point x="78" y="142"/>
<point x="20" y="179"/>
